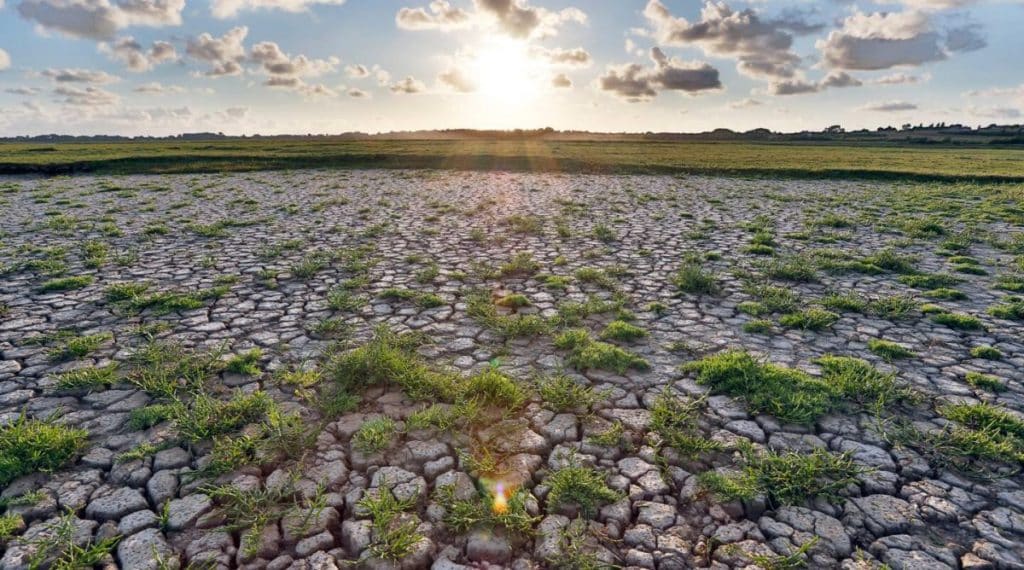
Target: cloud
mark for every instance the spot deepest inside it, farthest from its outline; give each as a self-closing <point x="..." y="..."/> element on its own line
<point x="100" y="19"/>
<point x="747" y="103"/>
<point x="5" y="60"/>
<point x="996" y="112"/>
<point x="157" y="88"/>
<point x="763" y="48"/>
<point x="636" y="83"/>
<point x="561" y="81"/>
<point x="86" y="96"/>
<point x="799" y="85"/>
<point x="937" y="4"/>
<point x="408" y="86"/>
<point x="26" y="91"/>
<point x="440" y="15"/>
<point x="69" y="75"/>
<point x="277" y="63"/>
<point x="576" y="57"/>
<point x="357" y="93"/>
<point x="229" y="8"/>
<point x="135" y="57"/>
<point x="224" y="54"/>
<point x="900" y="79"/>
<point x="890" y="107"/>
<point x="515" y="18"/>
<point x="885" y="40"/>
<point x="357" y="71"/>
<point x="456" y="80"/>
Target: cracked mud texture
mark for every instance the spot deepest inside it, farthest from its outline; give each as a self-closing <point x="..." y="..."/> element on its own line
<point x="316" y="463"/>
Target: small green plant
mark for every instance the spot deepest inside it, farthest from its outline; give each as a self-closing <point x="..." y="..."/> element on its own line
<point x="987" y="352"/>
<point x="889" y="350"/>
<point x="341" y="299"/>
<point x="604" y="233"/>
<point x="32" y="445"/>
<point x="622" y="331"/>
<point x="247" y="363"/>
<point x="89" y="378"/>
<point x="674" y="420"/>
<point x="563" y="394"/>
<point x="785" y="478"/>
<point x="374" y="435"/>
<point x="66" y="283"/>
<point x="575" y="484"/>
<point x="77" y="346"/>
<point x="521" y="263"/>
<point x="513" y="301"/>
<point x="394" y="536"/>
<point x="958" y="321"/>
<point x="586" y="353"/>
<point x="813" y="319"/>
<point x="1011" y="309"/>
<point x="985" y="381"/>
<point x="692" y="278"/>
<point x="757" y="326"/>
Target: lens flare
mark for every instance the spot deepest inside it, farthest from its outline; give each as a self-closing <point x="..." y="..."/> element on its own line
<point x="500" y="505"/>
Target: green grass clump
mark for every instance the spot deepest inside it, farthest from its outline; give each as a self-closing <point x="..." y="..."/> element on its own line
<point x="985" y="381"/>
<point x="480" y="307"/>
<point x="794" y="396"/>
<point x="521" y="263"/>
<point x="692" y="278"/>
<point x="374" y="435"/>
<point x="477" y="513"/>
<point x="845" y="302"/>
<point x="121" y="292"/>
<point x="395" y="536"/>
<point x="813" y="319"/>
<point x="390" y="359"/>
<point x="90" y="378"/>
<point x="757" y="326"/>
<point x="785" y="478"/>
<point x="66" y="283"/>
<point x="513" y="301"/>
<point x="78" y="346"/>
<point x="759" y="249"/>
<point x="774" y="299"/>
<point x="889" y="260"/>
<point x="980" y="432"/>
<point x="893" y="307"/>
<point x="1013" y="283"/>
<point x="586" y="353"/>
<point x="420" y="299"/>
<point x="492" y="388"/>
<point x="889" y="350"/>
<point x="204" y="416"/>
<point x="791" y="395"/>
<point x="563" y="394"/>
<point x="341" y="299"/>
<point x="622" y="331"/>
<point x="986" y="352"/>
<point x="958" y="321"/>
<point x="674" y="421"/>
<point x="1011" y="309"/>
<point x="247" y="363"/>
<point x="796" y="269"/>
<point x="945" y="294"/>
<point x="604" y="233"/>
<point x="578" y="485"/>
<point x="32" y="445"/>
<point x="164" y="302"/>
<point x="929" y="280"/>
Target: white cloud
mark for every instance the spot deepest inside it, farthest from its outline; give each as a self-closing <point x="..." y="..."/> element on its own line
<point x="408" y="86"/>
<point x="69" y="75"/>
<point x="5" y="60"/>
<point x="230" y="8"/>
<point x="455" y="79"/>
<point x="276" y="62"/>
<point x="561" y="81"/>
<point x="636" y="83"/>
<point x="890" y="107"/>
<point x="135" y="57"/>
<point x="575" y="57"/>
<point x="514" y="18"/>
<point x="224" y="54"/>
<point x="883" y="40"/>
<point x="157" y="88"/>
<point x="88" y="96"/>
<point x="100" y="19"/>
<point x="357" y="71"/>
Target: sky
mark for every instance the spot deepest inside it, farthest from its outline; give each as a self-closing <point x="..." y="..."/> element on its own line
<point x="162" y="67"/>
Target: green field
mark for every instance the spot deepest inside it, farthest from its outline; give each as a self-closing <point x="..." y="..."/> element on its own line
<point x="733" y="158"/>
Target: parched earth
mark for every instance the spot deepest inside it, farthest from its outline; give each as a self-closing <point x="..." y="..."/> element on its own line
<point x="491" y="370"/>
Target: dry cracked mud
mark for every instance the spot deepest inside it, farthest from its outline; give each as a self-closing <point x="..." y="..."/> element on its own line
<point x="419" y="369"/>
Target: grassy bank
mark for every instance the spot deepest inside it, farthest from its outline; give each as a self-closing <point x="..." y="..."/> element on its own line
<point x="786" y="160"/>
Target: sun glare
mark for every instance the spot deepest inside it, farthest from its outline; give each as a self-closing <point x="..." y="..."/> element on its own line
<point x="505" y="73"/>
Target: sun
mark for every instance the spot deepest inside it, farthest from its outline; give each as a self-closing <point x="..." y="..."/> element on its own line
<point x="505" y="73"/>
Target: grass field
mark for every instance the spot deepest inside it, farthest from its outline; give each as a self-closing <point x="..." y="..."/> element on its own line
<point x="788" y="160"/>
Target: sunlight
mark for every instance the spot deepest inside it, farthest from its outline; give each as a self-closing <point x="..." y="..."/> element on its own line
<point x="505" y="73"/>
